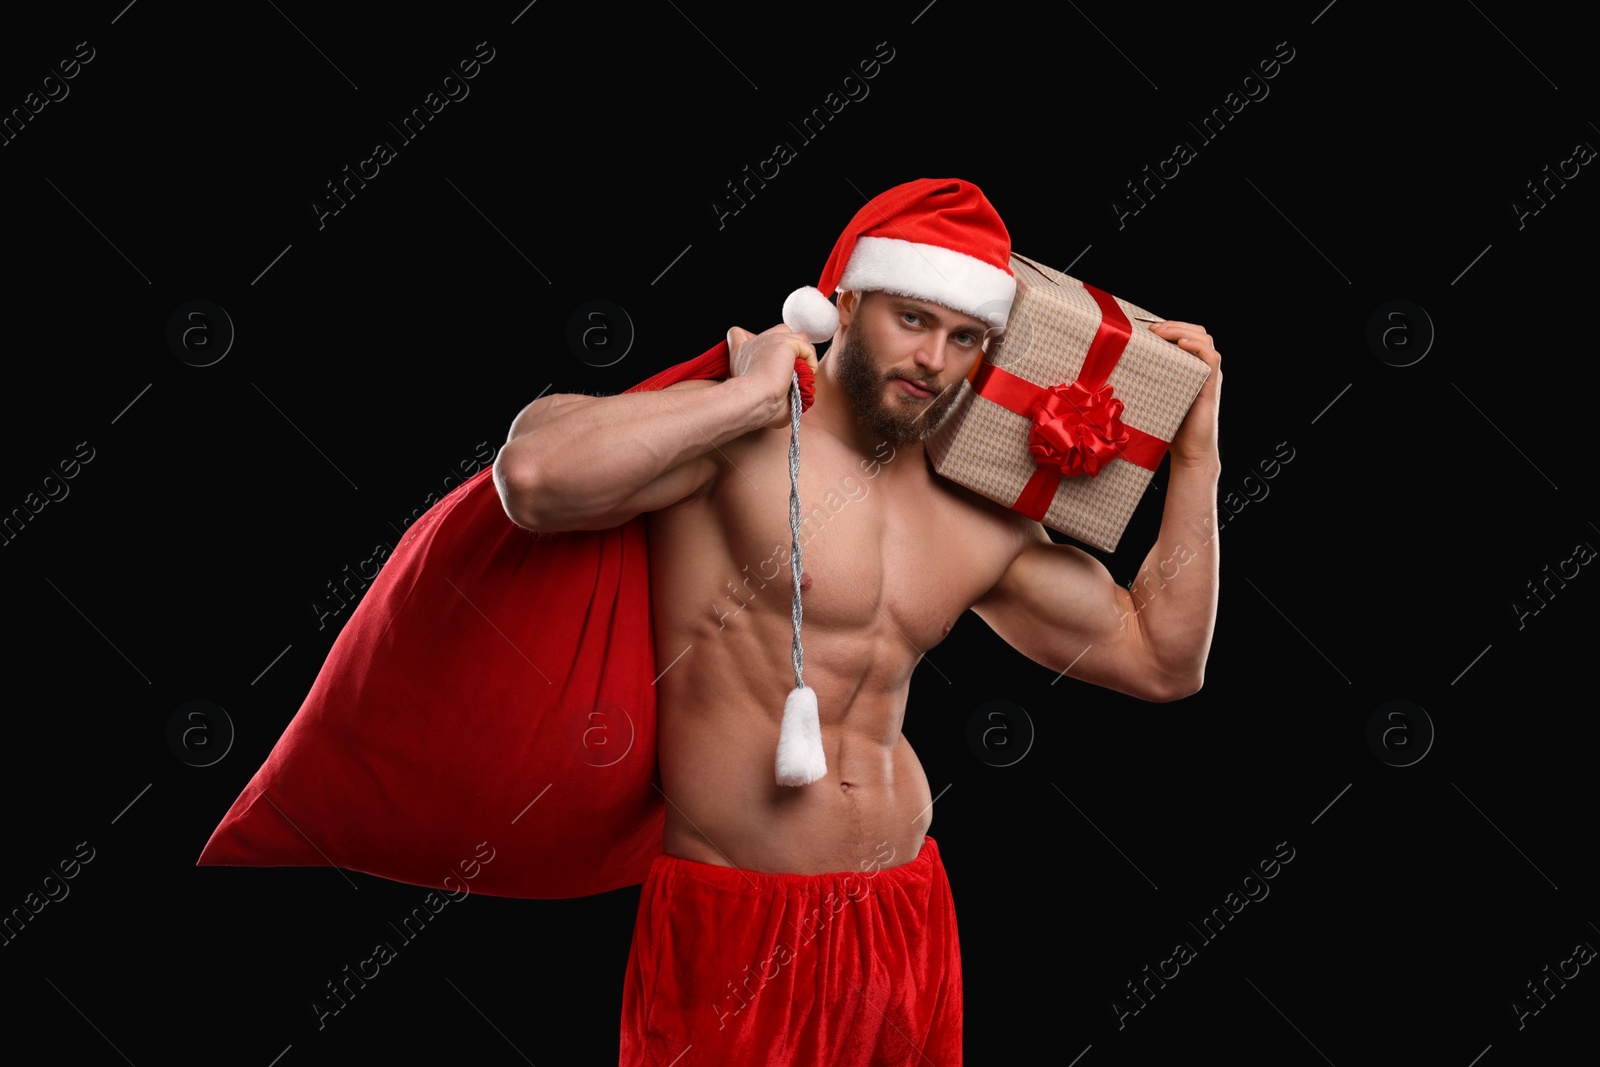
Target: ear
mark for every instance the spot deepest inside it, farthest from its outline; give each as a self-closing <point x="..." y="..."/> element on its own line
<point x="849" y="303"/>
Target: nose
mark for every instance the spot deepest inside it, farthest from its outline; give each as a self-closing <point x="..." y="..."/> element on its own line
<point x="931" y="355"/>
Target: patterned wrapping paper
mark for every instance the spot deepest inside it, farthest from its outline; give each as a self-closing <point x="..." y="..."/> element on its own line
<point x="1055" y="323"/>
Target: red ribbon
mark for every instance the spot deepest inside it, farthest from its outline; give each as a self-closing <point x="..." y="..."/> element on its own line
<point x="1077" y="427"/>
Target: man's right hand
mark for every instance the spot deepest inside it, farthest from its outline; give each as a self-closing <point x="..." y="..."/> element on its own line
<point x="769" y="358"/>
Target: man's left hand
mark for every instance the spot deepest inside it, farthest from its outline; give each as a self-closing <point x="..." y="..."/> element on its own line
<point x="1195" y="443"/>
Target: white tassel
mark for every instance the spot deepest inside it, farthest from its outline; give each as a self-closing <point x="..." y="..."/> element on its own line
<point x="800" y="757"/>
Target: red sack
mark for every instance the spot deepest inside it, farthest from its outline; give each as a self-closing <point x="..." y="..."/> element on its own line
<point x="494" y="687"/>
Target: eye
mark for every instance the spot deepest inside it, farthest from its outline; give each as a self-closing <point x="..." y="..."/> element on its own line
<point x="966" y="338"/>
<point x="911" y="318"/>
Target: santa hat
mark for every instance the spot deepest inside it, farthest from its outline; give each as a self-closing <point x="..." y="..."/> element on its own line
<point x="935" y="239"/>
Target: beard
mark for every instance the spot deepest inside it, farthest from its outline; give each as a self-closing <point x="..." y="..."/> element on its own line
<point x="900" y="420"/>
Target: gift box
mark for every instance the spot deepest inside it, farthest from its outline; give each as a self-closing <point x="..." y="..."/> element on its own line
<point x="1070" y="411"/>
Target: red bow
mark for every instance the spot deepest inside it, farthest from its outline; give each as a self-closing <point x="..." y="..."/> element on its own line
<point x="1076" y="430"/>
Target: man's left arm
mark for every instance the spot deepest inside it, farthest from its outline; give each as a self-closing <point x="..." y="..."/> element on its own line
<point x="1060" y="607"/>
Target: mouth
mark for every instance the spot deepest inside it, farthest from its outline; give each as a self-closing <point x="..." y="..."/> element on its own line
<point x="914" y="389"/>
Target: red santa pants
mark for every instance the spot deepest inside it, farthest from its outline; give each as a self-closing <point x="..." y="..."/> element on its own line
<point x="857" y="969"/>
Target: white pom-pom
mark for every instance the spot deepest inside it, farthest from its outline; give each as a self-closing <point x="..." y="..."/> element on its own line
<point x="800" y="757"/>
<point x="807" y="311"/>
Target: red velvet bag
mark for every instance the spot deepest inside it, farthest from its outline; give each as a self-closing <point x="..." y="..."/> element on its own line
<point x="494" y="686"/>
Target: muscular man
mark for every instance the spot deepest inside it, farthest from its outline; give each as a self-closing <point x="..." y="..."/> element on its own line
<point x="769" y="930"/>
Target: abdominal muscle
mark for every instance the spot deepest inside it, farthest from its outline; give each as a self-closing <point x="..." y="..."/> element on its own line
<point x="718" y="743"/>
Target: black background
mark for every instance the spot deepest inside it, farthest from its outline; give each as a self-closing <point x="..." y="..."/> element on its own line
<point x="1382" y="564"/>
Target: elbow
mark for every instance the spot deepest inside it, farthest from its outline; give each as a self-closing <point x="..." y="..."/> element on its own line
<point x="536" y="503"/>
<point x="1189" y="688"/>
<point x="1176" y="687"/>
<point x="518" y="486"/>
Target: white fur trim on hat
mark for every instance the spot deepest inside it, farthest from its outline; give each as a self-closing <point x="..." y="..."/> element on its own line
<point x="930" y="272"/>
<point x="801" y="760"/>
<point x="807" y="311"/>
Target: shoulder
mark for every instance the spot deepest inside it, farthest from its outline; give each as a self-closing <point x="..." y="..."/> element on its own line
<point x="1007" y="530"/>
<point x="991" y="537"/>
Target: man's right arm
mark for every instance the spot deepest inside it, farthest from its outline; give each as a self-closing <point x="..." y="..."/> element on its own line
<point x="575" y="462"/>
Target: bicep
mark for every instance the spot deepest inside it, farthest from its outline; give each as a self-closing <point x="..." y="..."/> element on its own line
<point x="1061" y="608"/>
<point x="520" y="478"/>
<point x="692" y="478"/>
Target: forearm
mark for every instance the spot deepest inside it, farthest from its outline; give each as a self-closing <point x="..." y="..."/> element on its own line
<point x="574" y="462"/>
<point x="1175" y="592"/>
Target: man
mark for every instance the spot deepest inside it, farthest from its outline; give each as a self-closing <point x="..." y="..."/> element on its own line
<point x="814" y="924"/>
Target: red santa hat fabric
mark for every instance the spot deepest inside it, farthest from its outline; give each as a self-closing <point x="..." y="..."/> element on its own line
<point x="936" y="239"/>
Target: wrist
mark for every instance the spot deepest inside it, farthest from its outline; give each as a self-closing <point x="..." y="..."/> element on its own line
<point x="758" y="400"/>
<point x="1207" y="465"/>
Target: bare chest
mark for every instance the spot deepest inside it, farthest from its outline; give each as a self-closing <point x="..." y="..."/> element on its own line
<point x="886" y="547"/>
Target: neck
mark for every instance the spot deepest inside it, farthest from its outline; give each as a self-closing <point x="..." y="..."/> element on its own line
<point x="832" y="413"/>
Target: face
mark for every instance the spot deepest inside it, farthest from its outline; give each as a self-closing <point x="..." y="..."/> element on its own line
<point x="902" y="363"/>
